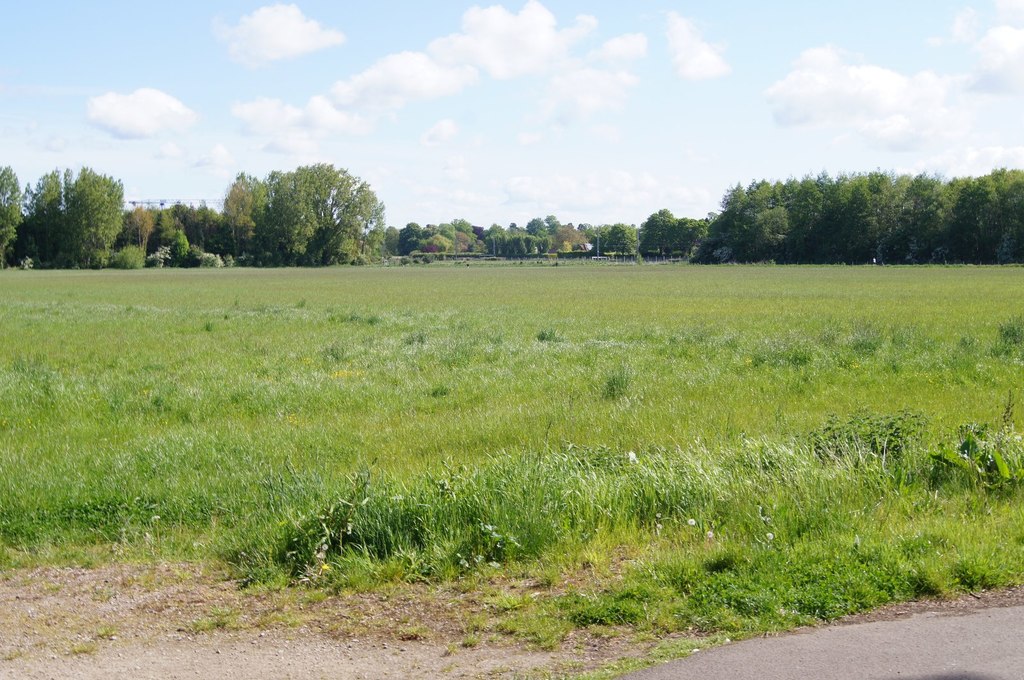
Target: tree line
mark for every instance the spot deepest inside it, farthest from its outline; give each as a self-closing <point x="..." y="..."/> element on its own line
<point x="320" y="215"/>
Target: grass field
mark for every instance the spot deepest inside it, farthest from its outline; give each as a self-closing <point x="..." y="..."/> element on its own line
<point x="729" y="448"/>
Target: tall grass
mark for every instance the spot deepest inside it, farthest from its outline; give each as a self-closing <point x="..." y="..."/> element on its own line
<point x="187" y="414"/>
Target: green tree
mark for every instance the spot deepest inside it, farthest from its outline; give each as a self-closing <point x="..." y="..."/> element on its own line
<point x="409" y="238"/>
<point x="138" y="227"/>
<point x="10" y="211"/>
<point x="42" y="232"/>
<point x="94" y="205"/>
<point x="391" y="235"/>
<point x="620" y="239"/>
<point x="244" y="203"/>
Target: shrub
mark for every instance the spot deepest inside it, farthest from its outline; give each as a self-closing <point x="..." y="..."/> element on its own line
<point x="160" y="258"/>
<point x="129" y="257"/>
<point x="210" y="260"/>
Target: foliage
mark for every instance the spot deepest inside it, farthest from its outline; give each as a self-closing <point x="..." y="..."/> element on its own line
<point x="10" y="211"/>
<point x="129" y="257"/>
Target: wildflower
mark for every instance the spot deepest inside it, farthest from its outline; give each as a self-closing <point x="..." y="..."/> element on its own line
<point x="770" y="536"/>
<point x="632" y="457"/>
<point x="711" y="535"/>
<point x="692" y="522"/>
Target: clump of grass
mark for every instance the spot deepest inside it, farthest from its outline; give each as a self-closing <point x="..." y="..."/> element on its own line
<point x="616" y="384"/>
<point x="548" y="335"/>
<point x="884" y="436"/>
<point x="1011" y="332"/>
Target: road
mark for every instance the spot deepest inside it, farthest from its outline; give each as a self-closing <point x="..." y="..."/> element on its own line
<point x="978" y="644"/>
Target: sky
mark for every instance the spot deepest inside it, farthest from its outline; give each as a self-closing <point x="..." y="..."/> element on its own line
<point x="595" y="112"/>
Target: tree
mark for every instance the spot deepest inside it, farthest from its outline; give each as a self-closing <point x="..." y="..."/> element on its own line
<point x="138" y="227"/>
<point x="656" y="233"/>
<point x="244" y="203"/>
<point x="620" y="239"/>
<point x="10" y="211"/>
<point x="42" y="233"/>
<point x="409" y="238"/>
<point x="94" y="205"/>
<point x="535" y="226"/>
<point x="391" y="235"/>
<point x="316" y="215"/>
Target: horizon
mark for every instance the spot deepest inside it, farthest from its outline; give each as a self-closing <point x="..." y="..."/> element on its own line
<point x="593" y="112"/>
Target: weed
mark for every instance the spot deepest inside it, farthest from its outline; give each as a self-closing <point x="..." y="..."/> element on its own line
<point x="887" y="437"/>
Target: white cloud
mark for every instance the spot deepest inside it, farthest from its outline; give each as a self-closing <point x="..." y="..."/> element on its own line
<point x="972" y="161"/>
<point x="443" y="131"/>
<point x="581" y="92"/>
<point x="964" y="29"/>
<point x="507" y="45"/>
<point x="400" y="78"/>
<point x="1011" y="11"/>
<point x="169" y="150"/>
<point x="56" y="144"/>
<point x="628" y="47"/>
<point x="1001" y="65"/>
<point x="456" y="169"/>
<point x="692" y="56"/>
<point x="829" y="88"/>
<point x="294" y="130"/>
<point x="276" y="32"/>
<point x="219" y="161"/>
<point x="143" y="113"/>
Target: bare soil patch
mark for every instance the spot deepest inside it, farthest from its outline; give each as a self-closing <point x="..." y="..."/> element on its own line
<point x="184" y="621"/>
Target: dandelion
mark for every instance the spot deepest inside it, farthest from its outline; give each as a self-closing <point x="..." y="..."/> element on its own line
<point x="632" y="457"/>
<point x="711" y="535"/>
<point x="770" y="536"/>
<point x="692" y="522"/>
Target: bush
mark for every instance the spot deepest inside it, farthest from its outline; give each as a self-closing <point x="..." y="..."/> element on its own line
<point x="129" y="257"/>
<point x="160" y="258"/>
<point x="210" y="260"/>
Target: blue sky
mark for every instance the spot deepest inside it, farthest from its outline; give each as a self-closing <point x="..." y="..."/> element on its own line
<point x="593" y="111"/>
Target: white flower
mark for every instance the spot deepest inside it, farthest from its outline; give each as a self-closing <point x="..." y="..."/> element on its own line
<point x="770" y="536"/>
<point x="711" y="535"/>
<point x="692" y="522"/>
<point x="632" y="457"/>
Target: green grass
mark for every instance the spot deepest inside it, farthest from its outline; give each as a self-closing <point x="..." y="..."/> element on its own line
<point x="355" y="426"/>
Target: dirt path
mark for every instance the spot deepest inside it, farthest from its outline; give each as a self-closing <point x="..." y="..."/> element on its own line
<point x="178" y="621"/>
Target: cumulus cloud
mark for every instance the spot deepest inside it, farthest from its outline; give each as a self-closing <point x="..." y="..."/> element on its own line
<point x="693" y="57"/>
<point x="973" y="161"/>
<point x="1001" y="60"/>
<point x="628" y="47"/>
<point x="218" y="160"/>
<point x="400" y="78"/>
<point x="508" y="45"/>
<point x="169" y="150"/>
<point x="443" y="131"/>
<point x="295" y="130"/>
<point x="581" y="92"/>
<point x="828" y="87"/>
<point x="964" y="29"/>
<point x="1011" y="11"/>
<point x="275" y="32"/>
<point x="143" y="113"/>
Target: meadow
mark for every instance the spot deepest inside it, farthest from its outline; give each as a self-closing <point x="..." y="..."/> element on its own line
<point x="664" y="447"/>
